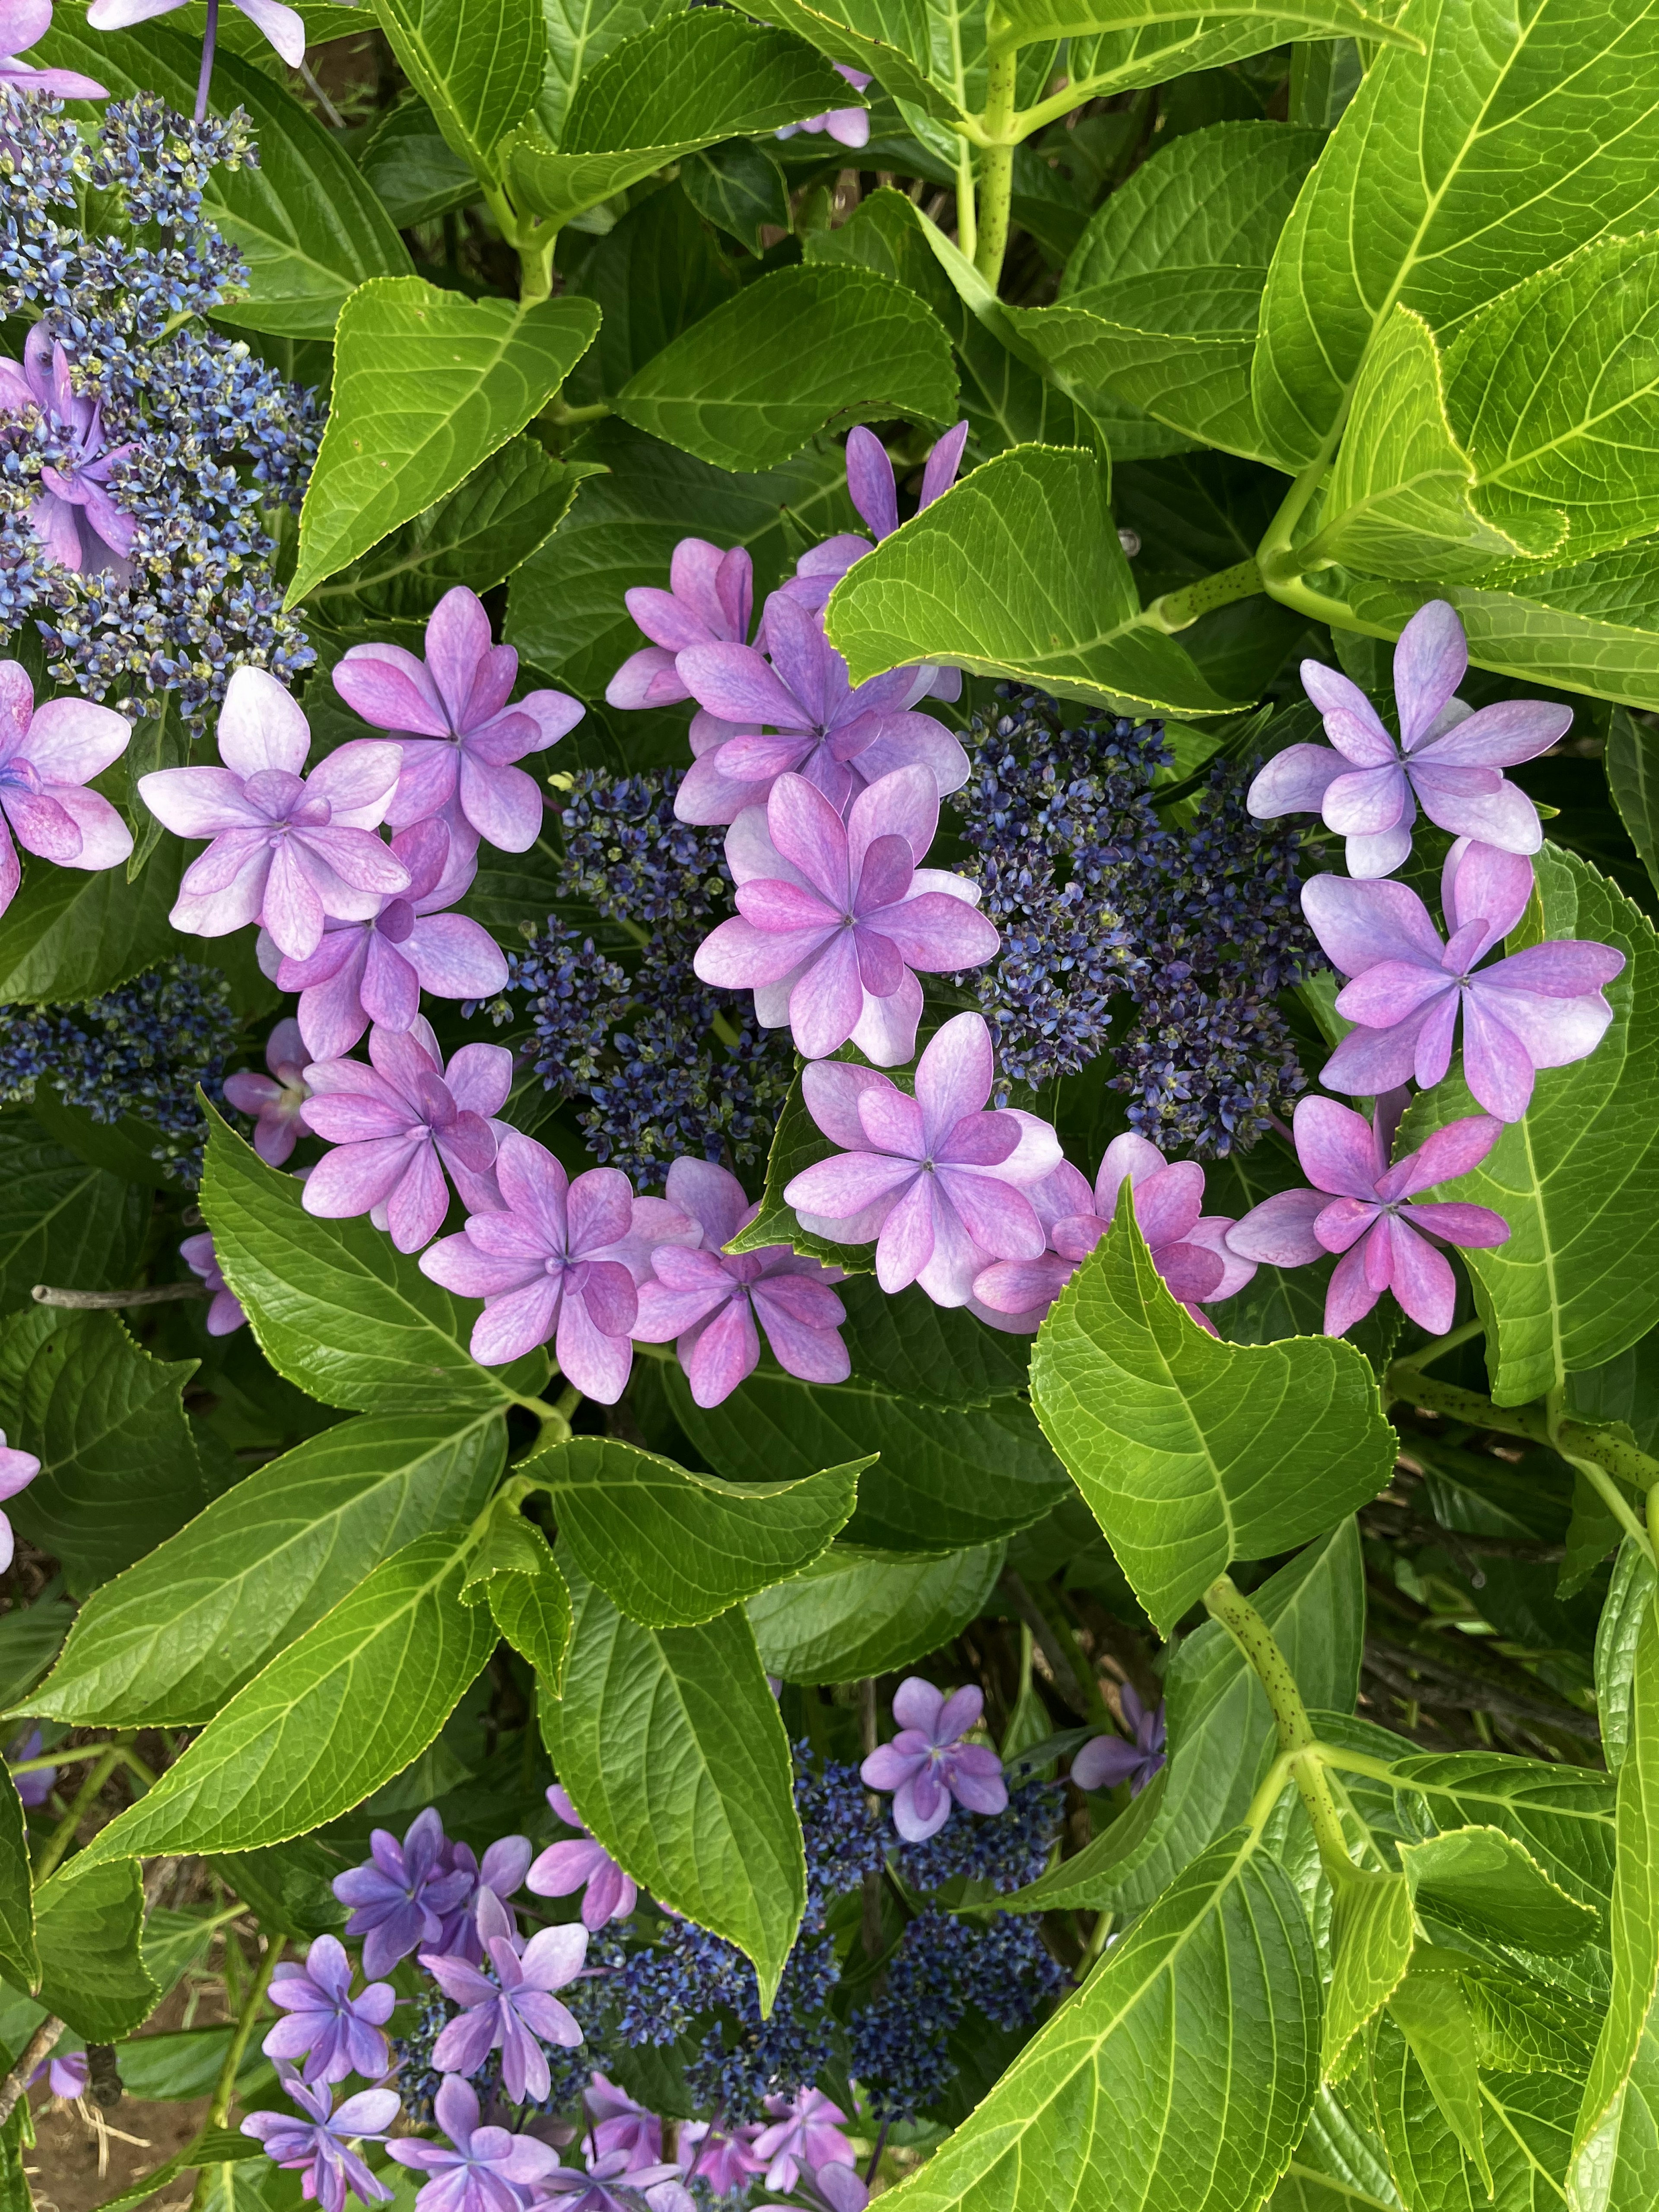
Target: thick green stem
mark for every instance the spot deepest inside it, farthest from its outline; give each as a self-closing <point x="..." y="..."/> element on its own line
<point x="1575" y="1440"/>
<point x="1633" y="1523"/>
<point x="967" y="213"/>
<point x="1256" y="1639"/>
<point x="65" y="1833"/>
<point x="996" y="173"/>
<point x="1179" y="610"/>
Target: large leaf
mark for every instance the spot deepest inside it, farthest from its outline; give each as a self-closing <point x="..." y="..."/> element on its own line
<point x="119" y="1466"/>
<point x="1563" y="1816"/>
<point x="854" y="1611"/>
<point x="580" y="35"/>
<point x="657" y="273"/>
<point x="934" y="1355"/>
<point x="1192" y="1453"/>
<point x="671" y="1746"/>
<point x="172" y="1638"/>
<point x="941" y="1481"/>
<point x="1178" y="2079"/>
<point x="1632" y="762"/>
<point x="478" y="68"/>
<point x="1489" y="152"/>
<point x="415" y="173"/>
<point x="1525" y="2121"/>
<point x="749" y="384"/>
<point x="61" y="1220"/>
<point x="906" y="45"/>
<point x="1480" y="1881"/>
<point x="1160" y="301"/>
<point x="1018" y="572"/>
<point x="427" y="385"/>
<point x="1337" y="2167"/>
<point x="672" y="1548"/>
<point x="334" y="1304"/>
<point x="340" y="1712"/>
<point x="90" y="1926"/>
<point x="1577" y="1180"/>
<point x="1617" y="1633"/>
<point x="694" y="78"/>
<point x="72" y="932"/>
<point x="19" y="1956"/>
<point x="1221" y="1733"/>
<point x="304" y="221"/>
<point x="1024" y="20"/>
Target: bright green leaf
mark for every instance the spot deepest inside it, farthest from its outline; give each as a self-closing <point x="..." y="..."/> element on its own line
<point x="903" y="44"/>
<point x="580" y="35"/>
<point x="853" y="1612"/>
<point x="478" y="68"/>
<point x="1525" y="2120"/>
<point x="1276" y="24"/>
<point x="1337" y="2167"/>
<point x="533" y="1612"/>
<point x="1372" y="1937"/>
<point x="1563" y="1815"/>
<point x="1481" y="1881"/>
<point x="89" y="1920"/>
<point x="1617" y="1634"/>
<point x="61" y="1220"/>
<point x="1430" y="2011"/>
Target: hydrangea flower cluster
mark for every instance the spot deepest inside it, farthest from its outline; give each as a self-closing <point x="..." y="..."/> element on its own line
<point x="515" y="2048"/>
<point x="140" y="450"/>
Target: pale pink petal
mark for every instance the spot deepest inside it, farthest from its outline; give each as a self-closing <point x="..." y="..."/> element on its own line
<point x="260" y="725"/>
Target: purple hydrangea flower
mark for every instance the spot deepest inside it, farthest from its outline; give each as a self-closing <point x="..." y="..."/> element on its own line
<point x="805" y="2133"/>
<point x="376" y="970"/>
<point x="505" y="1864"/>
<point x="24" y="24"/>
<point x="47" y="756"/>
<point x="609" y="1893"/>
<point x="616" y="2121"/>
<point x="287" y="850"/>
<point x="226" y="1313"/>
<point x="1106" y="1760"/>
<point x="927" y="1764"/>
<point x="397" y="1125"/>
<point x="459" y="736"/>
<point x="707" y="1301"/>
<point x="724" y="2158"/>
<point x="848" y="126"/>
<point x="1449" y="760"/>
<point x="276" y="1100"/>
<point x="333" y="2032"/>
<point x="939" y="1183"/>
<point x="837" y="737"/>
<point x="17" y="1470"/>
<point x="67" y="2074"/>
<point x="556" y="1261"/>
<point x="1541" y="1007"/>
<point x="74" y="518"/>
<point x="874" y="491"/>
<point x="318" y="2146"/>
<point x="1361" y="1207"/>
<point x="34" y="1789"/>
<point x="831" y="2189"/>
<point x="709" y="601"/>
<point x="834" y="915"/>
<point x="611" y="2184"/>
<point x="1188" y="1247"/>
<point x="398" y="1899"/>
<point x="479" y="2169"/>
<point x="515" y="2012"/>
<point x="284" y="26"/>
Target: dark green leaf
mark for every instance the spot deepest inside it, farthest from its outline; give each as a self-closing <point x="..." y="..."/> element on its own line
<point x="854" y="1611"/>
<point x="655" y="274"/>
<point x="1632" y="764"/>
<point x="415" y="173"/>
<point x="61" y="1221"/>
<point x="741" y="188"/>
<point x="89" y="1924"/>
<point x="937" y="1356"/>
<point x="70" y="933"/>
<point x="18" y="1954"/>
<point x="580" y="35"/>
<point x="478" y="68"/>
<point x="288" y="1887"/>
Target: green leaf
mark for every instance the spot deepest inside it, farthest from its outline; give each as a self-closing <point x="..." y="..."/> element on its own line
<point x="1563" y="1815"/>
<point x="119" y="1467"/>
<point x="416" y="173"/>
<point x="1337" y="2167"/>
<point x="61" y="1221"/>
<point x="478" y="68"/>
<point x="1138" y="2091"/>
<point x="739" y="188"/>
<point x="1160" y="301"/>
<point x="1024" y="20"/>
<point x="1192" y="1453"/>
<point x="696" y="77"/>
<point x="1526" y="2121"/>
<point x="1017" y="572"/>
<point x="334" y="1305"/>
<point x="854" y="1612"/>
<point x="217" y="2146"/>
<point x="1480" y="1881"/>
<point x="671" y="1746"/>
<point x="512" y="1546"/>
<point x="657" y="273"/>
<point x="1430" y="2011"/>
<point x="89" y="1923"/>
<point x="942" y="1480"/>
<point x="288" y="1887"/>
<point x="1632" y="764"/>
<point x="1617" y="1634"/>
<point x="18" y="1953"/>
<point x="1489" y="152"/>
<point x="169" y="1641"/>
<point x="894" y="41"/>
<point x="175" y="1943"/>
<point x="360" y="1693"/>
<point x="747" y="386"/>
<point x="305" y="222"/>
<point x="1372" y="1937"/>
<point x="938" y="1356"/>
<point x="580" y="35"/>
<point x="1577" y="1180"/>
<point x="533" y="1612"/>
<point x="71" y="933"/>
<point x="427" y="385"/>
<point x="672" y="1548"/>
<point x="1221" y="1733"/>
<point x="475" y="534"/>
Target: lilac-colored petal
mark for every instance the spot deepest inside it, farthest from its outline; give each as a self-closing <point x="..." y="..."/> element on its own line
<point x="1430" y="661"/>
<point x="1359" y="924"/>
<point x="261" y="725"/>
<point x="1502" y="735"/>
<point x="1461" y="1224"/>
<point x="1505" y="818"/>
<point x="1337" y="1149"/>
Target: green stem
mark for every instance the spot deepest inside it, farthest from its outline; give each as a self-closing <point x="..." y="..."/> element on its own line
<point x="563" y="417"/>
<point x="64" y="1834"/>
<point x="1450" y="1342"/>
<point x="1256" y="1639"/>
<point x="570" y="1398"/>
<point x="1633" y="1523"/>
<point x="967" y="216"/>
<point x="532" y="239"/>
<point x="1179" y="610"/>
<point x="996" y="175"/>
<point x="1575" y="1440"/>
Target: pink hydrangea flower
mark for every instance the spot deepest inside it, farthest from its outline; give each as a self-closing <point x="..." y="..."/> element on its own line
<point x="1363" y="1208"/>
<point x="17" y="1470"/>
<point x="515" y="2012"/>
<point x="479" y="2169"/>
<point x="284" y="26"/>
<point x="848" y="126"/>
<point x="74" y="518"/>
<point x="397" y="1125"/>
<point x="819" y="727"/>
<point x="723" y="2157"/>
<point x="24" y="24"/>
<point x="225" y="1313"/>
<point x="1541" y="1007"/>
<point x="709" y="601"/>
<point x="287" y="850"/>
<point x="707" y="1301"/>
<point x="927" y="1764"/>
<point x="618" y="2123"/>
<point x="1106" y="1760"/>
<point x="1449" y="760"/>
<point x="553" y="1262"/>
<point x="47" y="756"/>
<point x="320" y="2146"/>
<point x="937" y="1183"/>
<point x="459" y="736"/>
<point x="610" y="1894"/>
<point x="805" y="2133"/>
<point x="276" y="1100"/>
<point x="833" y="916"/>
<point x="375" y="970"/>
<point x="1188" y="1247"/>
